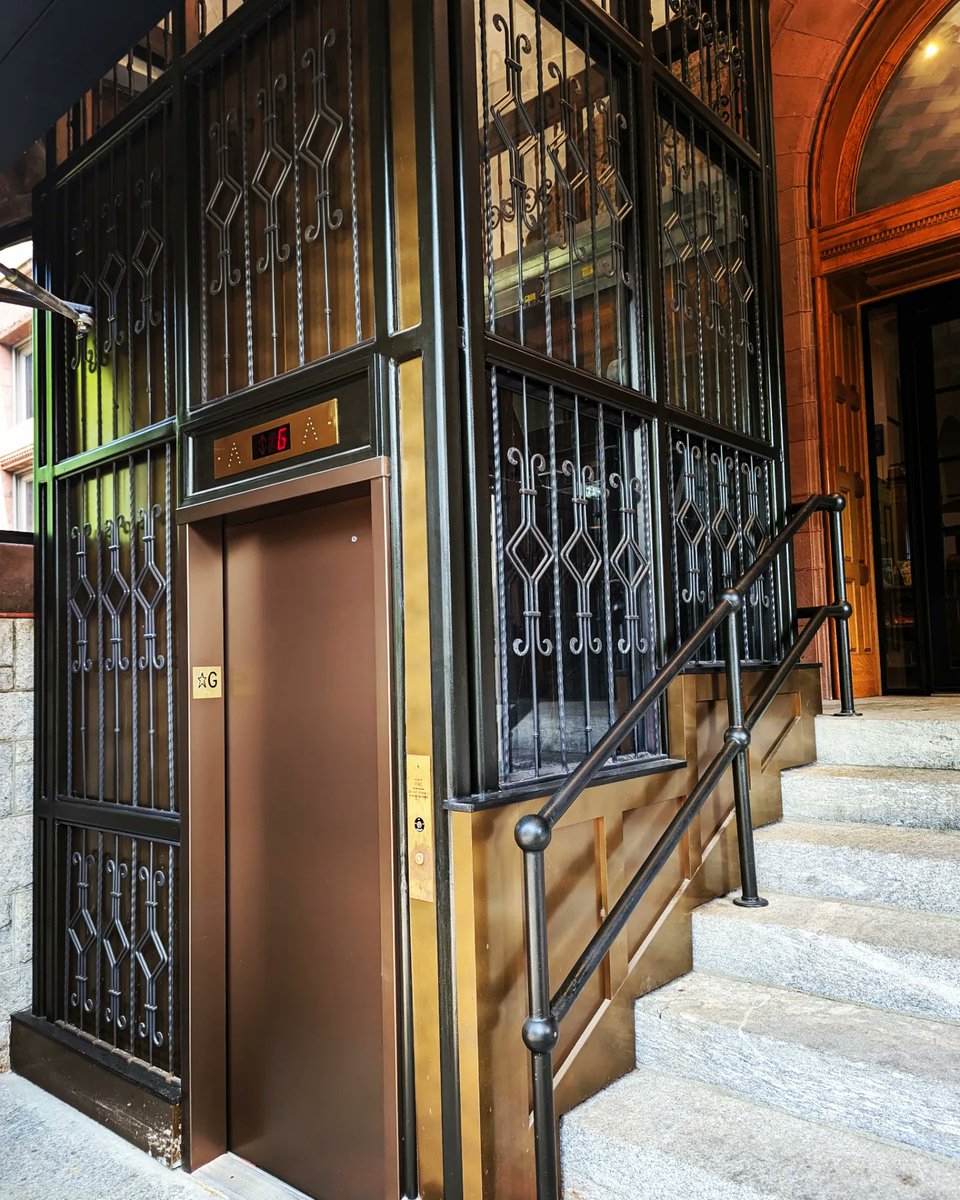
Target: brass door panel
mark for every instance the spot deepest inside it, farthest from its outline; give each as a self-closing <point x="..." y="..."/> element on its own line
<point x="306" y="1030"/>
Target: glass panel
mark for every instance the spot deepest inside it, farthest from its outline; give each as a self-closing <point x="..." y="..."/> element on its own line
<point x="573" y="561"/>
<point x="118" y="621"/>
<point x="112" y="223"/>
<point x="948" y="459"/>
<point x="721" y="519"/>
<point x="705" y="45"/>
<point x="558" y="190"/>
<point x="203" y="16"/>
<point x="946" y="354"/>
<point x="709" y="212"/>
<point x="914" y="141"/>
<point x="287" y="259"/>
<point x="141" y="66"/>
<point x="898" y="605"/>
<point x="117" y="939"/>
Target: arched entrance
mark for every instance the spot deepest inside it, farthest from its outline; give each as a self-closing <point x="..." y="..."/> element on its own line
<point x="885" y="207"/>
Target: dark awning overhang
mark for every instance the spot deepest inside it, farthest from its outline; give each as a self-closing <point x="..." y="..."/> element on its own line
<point x="52" y="51"/>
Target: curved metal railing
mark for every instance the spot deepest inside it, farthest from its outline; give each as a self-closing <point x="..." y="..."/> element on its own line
<point x="541" y="1029"/>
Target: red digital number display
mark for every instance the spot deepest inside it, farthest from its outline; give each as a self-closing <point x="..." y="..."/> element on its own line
<point x="271" y="441"/>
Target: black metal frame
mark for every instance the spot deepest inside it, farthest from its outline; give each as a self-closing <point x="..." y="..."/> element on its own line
<point x="456" y="349"/>
<point x="633" y="43"/>
<point x="534" y="831"/>
<point x="435" y="340"/>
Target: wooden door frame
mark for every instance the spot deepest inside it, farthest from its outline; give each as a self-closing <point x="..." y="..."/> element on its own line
<point x="876" y="255"/>
<point x="203" y="994"/>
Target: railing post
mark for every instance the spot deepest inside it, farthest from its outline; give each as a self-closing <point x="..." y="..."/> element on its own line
<point x="540" y="1032"/>
<point x="844" y="664"/>
<point x="738" y="733"/>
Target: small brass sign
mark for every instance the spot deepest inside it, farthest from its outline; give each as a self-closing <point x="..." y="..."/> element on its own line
<point x="278" y="439"/>
<point x="420" y="827"/>
<point x="207" y="683"/>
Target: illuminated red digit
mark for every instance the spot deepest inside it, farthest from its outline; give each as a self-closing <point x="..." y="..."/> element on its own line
<point x="283" y="438"/>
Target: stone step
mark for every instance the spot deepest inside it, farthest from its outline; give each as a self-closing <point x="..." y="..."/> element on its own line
<point x="869" y="954"/>
<point x="908" y="735"/>
<point x="651" y="1135"/>
<point x="922" y="799"/>
<point x="883" y="1073"/>
<point x="911" y="868"/>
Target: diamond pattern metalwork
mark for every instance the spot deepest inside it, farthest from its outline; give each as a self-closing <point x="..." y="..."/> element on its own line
<point x="320" y="138"/>
<point x="82" y="932"/>
<point x="112" y="275"/>
<point x="271" y="174"/>
<point x="116" y="943"/>
<point x="146" y="253"/>
<point x="151" y="587"/>
<point x="116" y="595"/>
<point x="151" y="956"/>
<point x="224" y="200"/>
<point x="530" y="553"/>
<point x="581" y="557"/>
<point x="82" y="597"/>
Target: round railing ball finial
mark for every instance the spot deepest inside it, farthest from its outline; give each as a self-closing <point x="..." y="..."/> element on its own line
<point x="846" y="610"/>
<point x="732" y="598"/>
<point x="836" y="502"/>
<point x="738" y="735"/>
<point x="540" y="1034"/>
<point x="533" y="832"/>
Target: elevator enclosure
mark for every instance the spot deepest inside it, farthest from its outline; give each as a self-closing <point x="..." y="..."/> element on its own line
<point x="502" y="279"/>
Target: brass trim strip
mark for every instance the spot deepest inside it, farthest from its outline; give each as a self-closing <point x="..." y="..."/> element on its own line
<point x="277" y="491"/>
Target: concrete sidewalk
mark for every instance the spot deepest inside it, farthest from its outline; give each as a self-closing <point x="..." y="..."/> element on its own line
<point x="48" y="1151"/>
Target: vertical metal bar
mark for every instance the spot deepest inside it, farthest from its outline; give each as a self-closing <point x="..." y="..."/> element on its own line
<point x="844" y="664"/>
<point x="740" y="736"/>
<point x="533" y="834"/>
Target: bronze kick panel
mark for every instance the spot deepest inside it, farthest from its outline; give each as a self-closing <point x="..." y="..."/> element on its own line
<point x="307" y="1038"/>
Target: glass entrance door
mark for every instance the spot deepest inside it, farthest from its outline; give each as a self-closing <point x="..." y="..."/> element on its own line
<point x="913" y="360"/>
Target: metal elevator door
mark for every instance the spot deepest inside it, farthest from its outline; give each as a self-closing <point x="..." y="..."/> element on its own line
<point x="305" y="999"/>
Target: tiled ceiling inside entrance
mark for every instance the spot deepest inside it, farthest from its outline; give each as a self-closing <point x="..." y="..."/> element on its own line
<point x="914" y="142"/>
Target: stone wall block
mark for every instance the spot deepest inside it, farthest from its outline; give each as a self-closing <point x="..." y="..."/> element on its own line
<point x="23" y="655"/>
<point x="7" y="781"/>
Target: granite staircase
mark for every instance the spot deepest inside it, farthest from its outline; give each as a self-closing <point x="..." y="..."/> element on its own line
<point x="814" y="1050"/>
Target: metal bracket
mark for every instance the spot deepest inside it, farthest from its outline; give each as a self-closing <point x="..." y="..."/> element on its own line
<point x="32" y="295"/>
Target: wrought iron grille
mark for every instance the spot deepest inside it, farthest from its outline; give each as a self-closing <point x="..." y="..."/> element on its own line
<point x="559" y="189"/>
<point x="112" y="233"/>
<point x="203" y="16"/>
<point x="709" y="219"/>
<point x="285" y="218"/>
<point x="576" y="631"/>
<point x="706" y="45"/>
<point x="118" y="617"/>
<point x="141" y="66"/>
<point x="117" y="952"/>
<point x="721" y="515"/>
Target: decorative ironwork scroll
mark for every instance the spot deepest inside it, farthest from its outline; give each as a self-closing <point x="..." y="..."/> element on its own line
<point x="119" y="955"/>
<point x="576" y="635"/>
<point x="559" y="189"/>
<point x="705" y="43"/>
<point x="118" y="615"/>
<point x="721" y="510"/>
<point x="709" y="221"/>
<point x="286" y="249"/>
<point x="114" y="251"/>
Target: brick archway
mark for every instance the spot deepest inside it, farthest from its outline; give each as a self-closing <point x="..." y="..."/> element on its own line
<point x="831" y="62"/>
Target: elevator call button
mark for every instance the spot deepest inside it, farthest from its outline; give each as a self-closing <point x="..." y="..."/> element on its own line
<point x="420" y="827"/>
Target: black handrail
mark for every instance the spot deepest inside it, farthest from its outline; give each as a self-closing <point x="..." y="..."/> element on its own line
<point x="541" y="1029"/>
